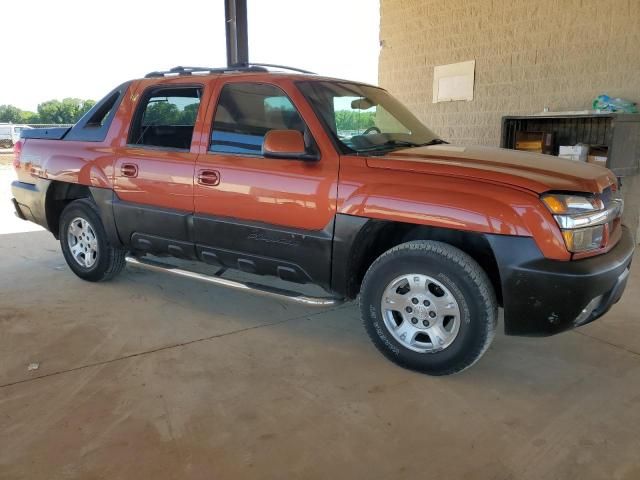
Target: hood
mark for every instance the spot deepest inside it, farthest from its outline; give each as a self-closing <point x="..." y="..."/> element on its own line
<point x="532" y="171"/>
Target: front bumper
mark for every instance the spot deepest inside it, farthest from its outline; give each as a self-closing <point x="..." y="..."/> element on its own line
<point x="544" y="297"/>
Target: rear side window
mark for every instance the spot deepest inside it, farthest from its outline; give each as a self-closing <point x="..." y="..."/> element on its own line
<point x="99" y="117"/>
<point x="94" y="125"/>
<point x="165" y="118"/>
<point x="246" y="112"/>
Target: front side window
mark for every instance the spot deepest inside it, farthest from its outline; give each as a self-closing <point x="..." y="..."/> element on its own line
<point x="165" y="118"/>
<point x="365" y="119"/>
<point x="246" y="112"/>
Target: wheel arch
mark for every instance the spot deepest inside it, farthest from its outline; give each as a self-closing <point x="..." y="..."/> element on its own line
<point x="59" y="194"/>
<point x="360" y="241"/>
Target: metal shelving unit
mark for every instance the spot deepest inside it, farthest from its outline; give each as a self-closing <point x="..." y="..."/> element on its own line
<point x="619" y="133"/>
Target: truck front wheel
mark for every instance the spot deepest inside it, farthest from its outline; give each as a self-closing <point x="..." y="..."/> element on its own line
<point x="429" y="307"/>
<point x="85" y="245"/>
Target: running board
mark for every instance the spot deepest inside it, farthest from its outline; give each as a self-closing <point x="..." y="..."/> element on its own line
<point x="223" y="282"/>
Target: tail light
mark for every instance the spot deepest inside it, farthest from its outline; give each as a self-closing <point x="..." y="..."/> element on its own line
<point x="17" y="150"/>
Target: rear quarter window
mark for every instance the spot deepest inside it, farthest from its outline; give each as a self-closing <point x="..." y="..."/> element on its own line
<point x="94" y="125"/>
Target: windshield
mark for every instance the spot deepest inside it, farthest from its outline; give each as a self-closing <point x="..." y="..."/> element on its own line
<point x="365" y="119"/>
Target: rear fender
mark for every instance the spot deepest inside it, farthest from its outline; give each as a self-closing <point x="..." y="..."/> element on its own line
<point x="71" y="169"/>
<point x="84" y="163"/>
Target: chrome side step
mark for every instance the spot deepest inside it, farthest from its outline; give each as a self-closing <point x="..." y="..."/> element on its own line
<point x="249" y="287"/>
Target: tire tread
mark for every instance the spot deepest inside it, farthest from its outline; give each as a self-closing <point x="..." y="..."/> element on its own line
<point x="115" y="256"/>
<point x="470" y="267"/>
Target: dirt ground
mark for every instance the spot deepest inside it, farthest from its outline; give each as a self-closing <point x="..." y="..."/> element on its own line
<point x="154" y="377"/>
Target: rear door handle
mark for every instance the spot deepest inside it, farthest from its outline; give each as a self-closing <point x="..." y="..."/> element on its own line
<point x="210" y="178"/>
<point x="129" y="170"/>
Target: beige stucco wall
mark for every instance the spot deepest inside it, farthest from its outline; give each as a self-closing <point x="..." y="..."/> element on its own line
<point x="529" y="54"/>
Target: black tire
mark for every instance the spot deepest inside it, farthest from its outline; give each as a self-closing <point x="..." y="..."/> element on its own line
<point x="465" y="280"/>
<point x="109" y="261"/>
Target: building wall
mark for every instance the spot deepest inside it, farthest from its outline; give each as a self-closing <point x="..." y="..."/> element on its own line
<point x="529" y="54"/>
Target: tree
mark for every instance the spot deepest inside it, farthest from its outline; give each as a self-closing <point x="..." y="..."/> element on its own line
<point x="189" y="114"/>
<point x="29" y="117"/>
<point x="350" y="120"/>
<point x="161" y="113"/>
<point x="10" y="114"/>
<point x="69" y="110"/>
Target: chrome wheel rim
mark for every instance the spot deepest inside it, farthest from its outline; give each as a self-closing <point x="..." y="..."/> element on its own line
<point x="82" y="242"/>
<point x="420" y="313"/>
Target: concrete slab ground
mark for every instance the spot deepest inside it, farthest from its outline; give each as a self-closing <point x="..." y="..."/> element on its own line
<point x="155" y="377"/>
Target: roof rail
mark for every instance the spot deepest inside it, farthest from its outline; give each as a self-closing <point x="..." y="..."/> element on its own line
<point x="191" y="70"/>
<point x="241" y="67"/>
<point x="281" y="67"/>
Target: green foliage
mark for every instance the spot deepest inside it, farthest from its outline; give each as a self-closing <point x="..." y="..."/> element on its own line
<point x="189" y="114"/>
<point x="69" y="110"/>
<point x="10" y="114"/>
<point x="29" y="117"/>
<point x="166" y="113"/>
<point x="354" y="120"/>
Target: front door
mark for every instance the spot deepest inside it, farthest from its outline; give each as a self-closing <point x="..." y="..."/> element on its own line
<point x="264" y="215"/>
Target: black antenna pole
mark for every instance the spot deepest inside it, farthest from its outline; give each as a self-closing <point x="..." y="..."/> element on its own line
<point x="236" y="30"/>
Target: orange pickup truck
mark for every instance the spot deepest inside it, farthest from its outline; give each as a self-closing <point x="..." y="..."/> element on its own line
<point x="335" y="183"/>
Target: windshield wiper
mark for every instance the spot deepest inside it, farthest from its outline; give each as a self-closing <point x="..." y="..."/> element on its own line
<point x="401" y="143"/>
<point x="435" y="141"/>
<point x="391" y="144"/>
<point x="405" y="143"/>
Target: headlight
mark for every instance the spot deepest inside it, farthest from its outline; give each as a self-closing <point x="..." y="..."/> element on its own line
<point x="571" y="204"/>
<point x="584" y="239"/>
<point x="583" y="219"/>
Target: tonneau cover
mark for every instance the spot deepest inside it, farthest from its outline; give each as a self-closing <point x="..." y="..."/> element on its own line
<point x="55" y="133"/>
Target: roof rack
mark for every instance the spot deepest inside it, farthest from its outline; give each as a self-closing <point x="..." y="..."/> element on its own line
<point x="280" y="67"/>
<point x="241" y="67"/>
<point x="179" y="71"/>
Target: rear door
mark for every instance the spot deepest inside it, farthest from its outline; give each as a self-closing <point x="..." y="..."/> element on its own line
<point x="153" y="171"/>
<point x="264" y="215"/>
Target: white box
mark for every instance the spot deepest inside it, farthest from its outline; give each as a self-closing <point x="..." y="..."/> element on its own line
<point x="597" y="160"/>
<point x="574" y="152"/>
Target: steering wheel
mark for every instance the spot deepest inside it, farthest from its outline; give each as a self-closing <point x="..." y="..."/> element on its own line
<point x="371" y="129"/>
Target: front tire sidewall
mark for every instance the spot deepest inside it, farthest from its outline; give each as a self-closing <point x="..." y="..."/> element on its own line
<point x="475" y="312"/>
<point x="83" y="209"/>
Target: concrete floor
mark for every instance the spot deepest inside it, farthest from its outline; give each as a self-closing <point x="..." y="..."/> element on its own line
<point x="153" y="377"/>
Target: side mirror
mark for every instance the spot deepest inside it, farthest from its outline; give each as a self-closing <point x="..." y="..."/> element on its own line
<point x="285" y="144"/>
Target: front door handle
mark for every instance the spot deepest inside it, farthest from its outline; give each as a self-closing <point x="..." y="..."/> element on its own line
<point x="129" y="170"/>
<point x="210" y="178"/>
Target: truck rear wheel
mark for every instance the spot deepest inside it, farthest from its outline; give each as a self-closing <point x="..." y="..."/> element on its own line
<point x="85" y="245"/>
<point x="429" y="307"/>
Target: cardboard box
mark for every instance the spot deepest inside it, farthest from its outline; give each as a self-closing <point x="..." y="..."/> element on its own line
<point x="539" y="142"/>
<point x="602" y="161"/>
<point x="598" y="156"/>
<point x="577" y="153"/>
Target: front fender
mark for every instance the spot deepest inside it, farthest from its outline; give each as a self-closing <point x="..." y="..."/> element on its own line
<point x="453" y="203"/>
